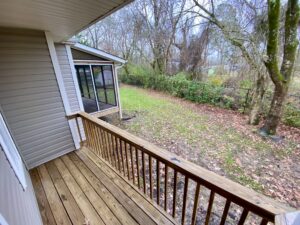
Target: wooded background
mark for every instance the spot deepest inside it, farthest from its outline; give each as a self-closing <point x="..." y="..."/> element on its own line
<point x="239" y="54"/>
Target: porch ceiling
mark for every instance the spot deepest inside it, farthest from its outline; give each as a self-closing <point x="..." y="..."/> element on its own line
<point x="63" y="18"/>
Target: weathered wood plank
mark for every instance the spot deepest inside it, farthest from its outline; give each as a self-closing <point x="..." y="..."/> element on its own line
<point x="133" y="209"/>
<point x="84" y="204"/>
<point x="42" y="200"/>
<point x="157" y="215"/>
<point x="119" y="211"/>
<point x="100" y="206"/>
<point x="66" y="197"/>
<point x="57" y="208"/>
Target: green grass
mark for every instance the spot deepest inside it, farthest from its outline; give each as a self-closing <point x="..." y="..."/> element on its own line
<point x="165" y="122"/>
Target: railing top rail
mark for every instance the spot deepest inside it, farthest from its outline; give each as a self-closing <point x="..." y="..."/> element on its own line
<point x="245" y="197"/>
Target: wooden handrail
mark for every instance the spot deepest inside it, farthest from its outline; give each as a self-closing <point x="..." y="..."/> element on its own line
<point x="116" y="146"/>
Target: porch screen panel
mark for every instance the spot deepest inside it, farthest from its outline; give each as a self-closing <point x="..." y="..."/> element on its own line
<point x="104" y="83"/>
<point x="99" y="83"/>
<point x="109" y="85"/>
<point x="87" y="88"/>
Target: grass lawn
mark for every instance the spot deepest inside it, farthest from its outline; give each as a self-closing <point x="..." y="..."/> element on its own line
<point x="217" y="139"/>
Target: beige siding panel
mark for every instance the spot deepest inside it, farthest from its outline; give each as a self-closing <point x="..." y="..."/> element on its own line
<point x="67" y="77"/>
<point x="17" y="206"/>
<point x="30" y="97"/>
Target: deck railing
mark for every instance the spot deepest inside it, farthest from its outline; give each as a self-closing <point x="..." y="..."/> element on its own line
<point x="175" y="184"/>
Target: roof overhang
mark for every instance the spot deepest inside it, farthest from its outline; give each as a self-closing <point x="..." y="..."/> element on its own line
<point x="62" y="18"/>
<point x="99" y="53"/>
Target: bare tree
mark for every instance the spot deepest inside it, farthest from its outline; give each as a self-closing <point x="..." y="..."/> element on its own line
<point x="280" y="77"/>
<point x="161" y="19"/>
<point x="239" y="33"/>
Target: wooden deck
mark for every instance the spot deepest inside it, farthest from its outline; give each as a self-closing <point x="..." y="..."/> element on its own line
<point x="80" y="188"/>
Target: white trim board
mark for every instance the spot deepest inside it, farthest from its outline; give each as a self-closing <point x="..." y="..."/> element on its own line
<point x="11" y="152"/>
<point x="91" y="62"/>
<point x="61" y="86"/>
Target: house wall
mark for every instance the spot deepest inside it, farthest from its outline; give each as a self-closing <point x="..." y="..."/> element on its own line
<point x="30" y="97"/>
<point x="66" y="71"/>
<point x="18" y="207"/>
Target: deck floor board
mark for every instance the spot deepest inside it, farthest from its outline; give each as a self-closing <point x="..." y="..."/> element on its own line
<point x="80" y="188"/>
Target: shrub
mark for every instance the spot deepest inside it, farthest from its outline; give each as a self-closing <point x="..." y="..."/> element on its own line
<point x="291" y="115"/>
<point x="211" y="92"/>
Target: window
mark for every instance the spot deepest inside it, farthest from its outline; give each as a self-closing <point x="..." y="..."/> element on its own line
<point x="96" y="83"/>
<point x="11" y="152"/>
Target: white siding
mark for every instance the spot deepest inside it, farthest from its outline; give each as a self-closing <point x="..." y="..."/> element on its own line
<point x="17" y="206"/>
<point x="67" y="76"/>
<point x="30" y="97"/>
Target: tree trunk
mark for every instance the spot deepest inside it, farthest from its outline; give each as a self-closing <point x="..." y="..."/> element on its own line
<point x="126" y="69"/>
<point x="274" y="114"/>
<point x="257" y="100"/>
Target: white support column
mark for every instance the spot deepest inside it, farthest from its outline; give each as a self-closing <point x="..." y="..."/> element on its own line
<point x="77" y="89"/>
<point x="61" y="86"/>
<point x="118" y="89"/>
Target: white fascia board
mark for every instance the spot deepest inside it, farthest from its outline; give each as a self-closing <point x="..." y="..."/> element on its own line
<point x="97" y="52"/>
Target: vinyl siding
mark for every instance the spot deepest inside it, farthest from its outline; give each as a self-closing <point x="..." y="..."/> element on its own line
<point x="17" y="206"/>
<point x="67" y="77"/>
<point x="30" y="97"/>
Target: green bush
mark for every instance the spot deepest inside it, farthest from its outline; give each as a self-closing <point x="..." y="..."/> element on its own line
<point x="291" y="115"/>
<point x="180" y="86"/>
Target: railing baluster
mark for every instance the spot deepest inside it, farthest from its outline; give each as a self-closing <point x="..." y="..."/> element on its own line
<point x="144" y="172"/>
<point x="85" y="131"/>
<point x="126" y="157"/>
<point x="118" y="154"/>
<point x="107" y="145"/>
<point x="243" y="217"/>
<point x="174" y="193"/>
<point x="132" y="165"/>
<point x="110" y="147"/>
<point x="150" y="177"/>
<point x="166" y="186"/>
<point x="102" y="143"/>
<point x="98" y="140"/>
<point x="122" y="156"/>
<point x="225" y="212"/>
<point x="186" y="186"/>
<point x="90" y="134"/>
<point x="157" y="182"/>
<point x="79" y="131"/>
<point x="94" y="138"/>
<point x="137" y="167"/>
<point x="196" y="203"/>
<point x="209" y="208"/>
<point x="115" y="151"/>
<point x="112" y="150"/>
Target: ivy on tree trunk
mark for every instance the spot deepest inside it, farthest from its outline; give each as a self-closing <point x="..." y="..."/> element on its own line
<point x="280" y="77"/>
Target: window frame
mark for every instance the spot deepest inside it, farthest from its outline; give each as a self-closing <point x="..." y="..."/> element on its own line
<point x="12" y="154"/>
<point x="91" y="64"/>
